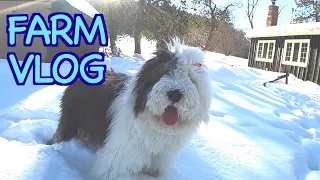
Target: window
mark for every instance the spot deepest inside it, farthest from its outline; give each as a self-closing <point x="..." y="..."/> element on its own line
<point x="265" y="50"/>
<point x="296" y="52"/>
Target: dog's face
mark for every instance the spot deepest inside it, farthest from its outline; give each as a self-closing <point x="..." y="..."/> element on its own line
<point x="172" y="91"/>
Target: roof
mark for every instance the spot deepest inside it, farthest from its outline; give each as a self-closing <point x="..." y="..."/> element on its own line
<point x="286" y="30"/>
<point x="83" y="6"/>
<point x="10" y="6"/>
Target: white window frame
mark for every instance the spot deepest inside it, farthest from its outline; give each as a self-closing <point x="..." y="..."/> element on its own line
<point x="257" y="50"/>
<point x="298" y="63"/>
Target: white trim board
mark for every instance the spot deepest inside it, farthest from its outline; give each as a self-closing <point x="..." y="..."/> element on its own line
<point x="285" y="30"/>
<point x="298" y="63"/>
<point x="266" y="59"/>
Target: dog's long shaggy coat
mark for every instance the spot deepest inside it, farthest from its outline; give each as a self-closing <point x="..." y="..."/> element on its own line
<point x="139" y="123"/>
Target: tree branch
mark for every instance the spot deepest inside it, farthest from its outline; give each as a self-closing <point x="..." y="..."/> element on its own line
<point x="162" y="12"/>
<point x="281" y="9"/>
<point x="250" y="10"/>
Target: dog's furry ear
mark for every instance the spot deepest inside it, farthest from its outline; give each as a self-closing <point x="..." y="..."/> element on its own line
<point x="175" y="44"/>
<point x="163" y="54"/>
<point x="110" y="69"/>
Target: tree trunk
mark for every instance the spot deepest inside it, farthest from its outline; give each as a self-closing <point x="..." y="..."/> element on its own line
<point x="251" y="23"/>
<point x="316" y="7"/>
<point x="213" y="26"/>
<point x="137" y="40"/>
<point x="210" y="36"/>
<point x="138" y="28"/>
<point x="209" y="40"/>
<point x="111" y="28"/>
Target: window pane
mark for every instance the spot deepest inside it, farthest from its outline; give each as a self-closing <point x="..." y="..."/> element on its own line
<point x="296" y="52"/>
<point x="304" y="49"/>
<point x="288" y="51"/>
<point x="271" y="46"/>
<point x="265" y="48"/>
<point x="259" y="50"/>
<point x="303" y="57"/>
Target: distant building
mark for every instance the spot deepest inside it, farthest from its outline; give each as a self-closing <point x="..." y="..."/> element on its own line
<point x="292" y="48"/>
<point x="45" y="8"/>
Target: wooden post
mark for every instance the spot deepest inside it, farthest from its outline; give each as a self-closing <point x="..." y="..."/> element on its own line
<point x="312" y="59"/>
<point x="249" y="54"/>
<point x="278" y="78"/>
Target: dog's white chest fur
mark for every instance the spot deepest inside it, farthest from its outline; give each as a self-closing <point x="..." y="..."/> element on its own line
<point x="132" y="148"/>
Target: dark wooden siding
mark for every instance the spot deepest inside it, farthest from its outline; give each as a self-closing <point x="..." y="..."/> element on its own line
<point x="309" y="73"/>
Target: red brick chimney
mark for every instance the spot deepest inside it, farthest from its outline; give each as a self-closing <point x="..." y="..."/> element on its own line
<point x="272" y="19"/>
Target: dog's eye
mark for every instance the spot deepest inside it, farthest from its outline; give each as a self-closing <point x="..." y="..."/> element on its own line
<point x="197" y="64"/>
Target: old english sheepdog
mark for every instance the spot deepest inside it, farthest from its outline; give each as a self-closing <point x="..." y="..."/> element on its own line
<point x="140" y="123"/>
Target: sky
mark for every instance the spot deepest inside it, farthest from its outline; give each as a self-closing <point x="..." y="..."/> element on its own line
<point x="239" y="15"/>
<point x="240" y="19"/>
<point x="260" y="18"/>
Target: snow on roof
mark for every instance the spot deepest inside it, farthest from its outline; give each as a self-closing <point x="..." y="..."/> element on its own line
<point x="286" y="30"/>
<point x="83" y="6"/>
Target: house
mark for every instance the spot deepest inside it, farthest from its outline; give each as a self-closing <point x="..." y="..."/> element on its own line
<point x="45" y="8"/>
<point x="291" y="48"/>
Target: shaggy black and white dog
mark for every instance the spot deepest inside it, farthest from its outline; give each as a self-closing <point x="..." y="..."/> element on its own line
<point x="139" y="123"/>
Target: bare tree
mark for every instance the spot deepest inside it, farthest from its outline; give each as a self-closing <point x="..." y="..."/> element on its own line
<point x="215" y="15"/>
<point x="144" y="8"/>
<point x="317" y="10"/>
<point x="281" y="10"/>
<point x="111" y="28"/>
<point x="231" y="41"/>
<point x="138" y="26"/>
<point x="307" y="11"/>
<point x="250" y="10"/>
<point x="196" y="24"/>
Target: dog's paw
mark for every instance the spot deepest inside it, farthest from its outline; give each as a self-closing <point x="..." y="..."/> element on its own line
<point x="151" y="172"/>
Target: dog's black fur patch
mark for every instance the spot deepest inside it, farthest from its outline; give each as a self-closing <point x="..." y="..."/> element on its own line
<point x="151" y="72"/>
<point x="84" y="110"/>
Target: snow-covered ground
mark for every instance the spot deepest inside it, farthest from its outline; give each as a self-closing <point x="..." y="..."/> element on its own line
<point x="255" y="132"/>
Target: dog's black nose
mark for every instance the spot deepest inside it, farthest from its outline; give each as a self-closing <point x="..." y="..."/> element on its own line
<point x="174" y="96"/>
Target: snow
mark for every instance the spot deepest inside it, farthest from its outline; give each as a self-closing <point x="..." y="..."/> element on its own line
<point x="311" y="28"/>
<point x="126" y="43"/>
<point x="83" y="6"/>
<point x="255" y="132"/>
